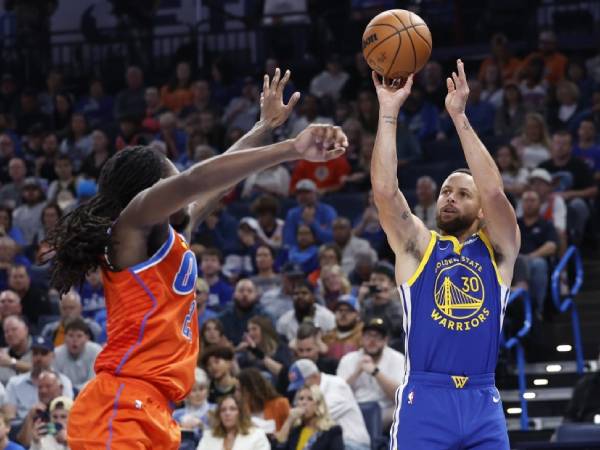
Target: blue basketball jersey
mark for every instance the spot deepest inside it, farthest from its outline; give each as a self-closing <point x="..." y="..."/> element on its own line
<point x="454" y="306"/>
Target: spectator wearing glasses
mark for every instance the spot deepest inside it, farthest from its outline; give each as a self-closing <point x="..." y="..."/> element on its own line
<point x="346" y="337"/>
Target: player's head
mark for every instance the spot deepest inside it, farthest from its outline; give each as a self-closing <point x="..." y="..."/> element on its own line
<point x="80" y="238"/>
<point x="458" y="204"/>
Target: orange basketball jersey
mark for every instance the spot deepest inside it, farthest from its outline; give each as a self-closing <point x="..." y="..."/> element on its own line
<point x="152" y="326"/>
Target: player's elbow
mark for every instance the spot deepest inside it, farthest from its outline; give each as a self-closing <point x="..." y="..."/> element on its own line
<point x="384" y="192"/>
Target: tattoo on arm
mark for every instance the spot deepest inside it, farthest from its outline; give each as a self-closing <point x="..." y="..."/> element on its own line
<point x="390" y="119"/>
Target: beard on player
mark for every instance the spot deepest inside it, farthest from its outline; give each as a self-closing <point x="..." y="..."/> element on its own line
<point x="456" y="225"/>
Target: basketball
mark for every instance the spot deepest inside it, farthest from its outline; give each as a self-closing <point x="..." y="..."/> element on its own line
<point x="396" y="43"/>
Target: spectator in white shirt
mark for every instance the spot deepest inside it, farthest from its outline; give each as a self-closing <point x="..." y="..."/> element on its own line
<point x="329" y="82"/>
<point x="350" y="245"/>
<point x="375" y="371"/>
<point x="305" y="309"/>
<point x="340" y="401"/>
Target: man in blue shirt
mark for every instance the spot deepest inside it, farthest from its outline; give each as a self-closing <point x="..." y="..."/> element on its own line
<point x="318" y="216"/>
<point x="5" y="443"/>
<point x="220" y="291"/>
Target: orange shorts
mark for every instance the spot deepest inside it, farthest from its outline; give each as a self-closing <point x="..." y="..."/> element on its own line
<point x="121" y="414"/>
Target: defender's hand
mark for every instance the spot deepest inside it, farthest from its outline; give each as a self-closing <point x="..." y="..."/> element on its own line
<point x="458" y="91"/>
<point x="272" y="109"/>
<point x="392" y="93"/>
<point x="320" y="143"/>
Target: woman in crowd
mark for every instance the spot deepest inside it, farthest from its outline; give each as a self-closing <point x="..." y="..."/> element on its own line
<point x="513" y="174"/>
<point x="196" y="404"/>
<point x="212" y="334"/>
<point x="268" y="408"/>
<point x="309" y="426"/>
<point x="511" y="114"/>
<point x="533" y="145"/>
<point x="329" y="255"/>
<point x="333" y="283"/>
<point x="177" y="93"/>
<point x="232" y="429"/>
<point x="262" y="348"/>
<point x="270" y="228"/>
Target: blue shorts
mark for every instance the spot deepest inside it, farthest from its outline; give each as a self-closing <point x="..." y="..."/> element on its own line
<point x="442" y="412"/>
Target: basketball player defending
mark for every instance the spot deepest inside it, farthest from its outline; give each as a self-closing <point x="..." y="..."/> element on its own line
<point x="453" y="285"/>
<point x="149" y="276"/>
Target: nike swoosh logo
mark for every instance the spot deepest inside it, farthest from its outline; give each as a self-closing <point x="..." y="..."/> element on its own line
<point x="495" y="399"/>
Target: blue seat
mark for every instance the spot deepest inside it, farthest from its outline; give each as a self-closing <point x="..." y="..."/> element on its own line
<point x="350" y="205"/>
<point x="578" y="432"/>
<point x="371" y="413"/>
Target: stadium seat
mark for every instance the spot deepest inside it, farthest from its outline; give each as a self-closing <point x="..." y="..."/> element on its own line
<point x="578" y="432"/>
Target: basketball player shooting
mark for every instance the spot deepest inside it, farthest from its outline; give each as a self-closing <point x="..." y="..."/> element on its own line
<point x="453" y="285"/>
<point x="149" y="276"/>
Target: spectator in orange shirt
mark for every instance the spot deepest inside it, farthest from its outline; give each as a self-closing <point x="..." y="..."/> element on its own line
<point x="501" y="57"/>
<point x="327" y="175"/>
<point x="555" y="63"/>
<point x="178" y="94"/>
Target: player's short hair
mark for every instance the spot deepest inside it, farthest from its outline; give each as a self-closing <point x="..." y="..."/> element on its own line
<point x="461" y="170"/>
<point x="218" y="351"/>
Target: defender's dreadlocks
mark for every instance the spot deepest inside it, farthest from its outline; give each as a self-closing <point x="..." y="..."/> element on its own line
<point x="80" y="237"/>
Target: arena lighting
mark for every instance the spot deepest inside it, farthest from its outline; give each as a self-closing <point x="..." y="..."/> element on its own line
<point x="540" y="381"/>
<point x="529" y="395"/>
<point x="513" y="410"/>
<point x="552" y="368"/>
<point x="597" y="419"/>
<point x="564" y="348"/>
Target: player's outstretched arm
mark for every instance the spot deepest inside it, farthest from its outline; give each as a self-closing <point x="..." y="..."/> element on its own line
<point x="401" y="226"/>
<point x="157" y="203"/>
<point x="500" y="218"/>
<point x="273" y="113"/>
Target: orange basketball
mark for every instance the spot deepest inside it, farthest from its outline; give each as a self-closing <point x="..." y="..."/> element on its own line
<point x="396" y="43"/>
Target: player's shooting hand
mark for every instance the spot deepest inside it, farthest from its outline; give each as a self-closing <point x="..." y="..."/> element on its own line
<point x="391" y="93"/>
<point x="320" y="143"/>
<point x="272" y="109"/>
<point x="458" y="91"/>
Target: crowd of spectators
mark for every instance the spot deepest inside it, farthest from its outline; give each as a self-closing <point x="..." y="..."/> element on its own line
<point x="301" y="326"/>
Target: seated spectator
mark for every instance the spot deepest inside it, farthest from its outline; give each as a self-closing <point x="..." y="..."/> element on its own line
<point x="375" y="371"/>
<point x="52" y="435"/>
<point x="346" y="336"/>
<point x="76" y="357"/>
<point x="265" y="279"/>
<point x="97" y="106"/>
<point x="362" y="271"/>
<point x="309" y="345"/>
<point x="328" y="176"/>
<point x="63" y="190"/>
<point x="77" y="144"/>
<point x="510" y="116"/>
<point x="501" y="57"/>
<point x="232" y="428"/>
<point x="203" y="311"/>
<point x="15" y="358"/>
<point x="213" y="334"/>
<point x="201" y="99"/>
<point x="305" y="309"/>
<point x="154" y="109"/>
<point x="532" y="87"/>
<point x="177" y="94"/>
<point x="585" y="402"/>
<point x="309" y="424"/>
<point x="577" y="185"/>
<point x="220" y="291"/>
<point x="218" y="361"/>
<point x="491" y="86"/>
<point x="99" y="154"/>
<point x="420" y="116"/>
<point x="329" y="82"/>
<point x="245" y="305"/>
<point x="350" y="245"/>
<point x="5" y="442"/>
<point x="305" y="251"/>
<point x="273" y="181"/>
<point x="481" y="112"/>
<point x="130" y="101"/>
<point x="196" y="405"/>
<point x="270" y="231"/>
<point x="263" y="349"/>
<point x="70" y="309"/>
<point x="426" y="207"/>
<point x="339" y="399"/>
<point x="49" y="387"/>
<point x="130" y="133"/>
<point x="329" y="255"/>
<point x="239" y="263"/>
<point x="308" y="113"/>
<point x="44" y="164"/>
<point x="279" y="301"/>
<point x="10" y="193"/>
<point x="318" y="216"/>
<point x="379" y="298"/>
<point x="23" y="391"/>
<point x="218" y="230"/>
<point x="539" y="243"/>
<point x="92" y="295"/>
<point x="7" y="229"/>
<point x="50" y="215"/>
<point x="554" y="62"/>
<point x="268" y="409"/>
<point x="514" y="176"/>
<point x="9" y="257"/>
<point x="7" y="150"/>
<point x="27" y="217"/>
<point x="533" y="145"/>
<point x="369" y="227"/>
<point x="566" y="111"/>
<point x="587" y="146"/>
<point x="173" y="137"/>
<point x="434" y="84"/>
<point x="10" y="305"/>
<point x="241" y="112"/>
<point x="333" y="283"/>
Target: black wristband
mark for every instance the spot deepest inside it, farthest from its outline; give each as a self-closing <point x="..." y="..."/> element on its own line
<point x="375" y="372"/>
